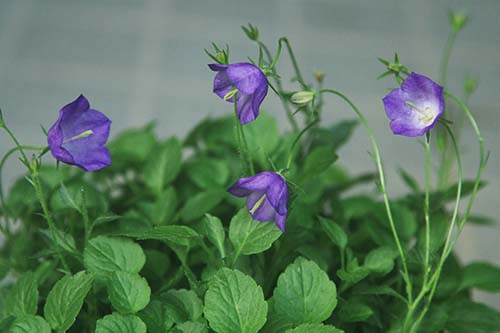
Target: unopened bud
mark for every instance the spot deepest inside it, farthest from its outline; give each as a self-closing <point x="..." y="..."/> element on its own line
<point x="458" y="20"/>
<point x="319" y="76"/>
<point x="302" y="97"/>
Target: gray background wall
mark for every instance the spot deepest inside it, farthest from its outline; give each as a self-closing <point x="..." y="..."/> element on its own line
<point x="143" y="60"/>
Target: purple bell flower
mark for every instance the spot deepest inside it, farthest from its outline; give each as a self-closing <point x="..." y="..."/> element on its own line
<point x="245" y="81"/>
<point x="267" y="196"/>
<point x="78" y="136"/>
<point x="415" y="107"/>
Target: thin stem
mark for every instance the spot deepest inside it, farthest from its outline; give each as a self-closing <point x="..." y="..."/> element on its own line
<point x="53" y="230"/>
<point x="443" y="66"/>
<point x="378" y="160"/>
<point x="295" y="64"/>
<point x="290" y="154"/>
<point x="426" y="204"/>
<point x="242" y="142"/>
<point x="434" y="281"/>
<point x="279" y="91"/>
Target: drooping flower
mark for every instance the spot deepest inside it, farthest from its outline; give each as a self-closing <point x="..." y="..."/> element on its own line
<point x="415" y="107"/>
<point x="245" y="81"/>
<point x="79" y="134"/>
<point x="267" y="197"/>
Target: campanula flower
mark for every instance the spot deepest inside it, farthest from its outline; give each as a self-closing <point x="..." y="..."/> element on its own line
<point x="244" y="81"/>
<point x="267" y="197"/>
<point x="78" y="136"/>
<point x="415" y="107"/>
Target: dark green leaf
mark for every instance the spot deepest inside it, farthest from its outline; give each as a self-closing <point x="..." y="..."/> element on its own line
<point x="117" y="323"/>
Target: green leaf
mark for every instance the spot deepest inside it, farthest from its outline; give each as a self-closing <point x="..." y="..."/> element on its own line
<point x="191" y="327"/>
<point x="182" y="305"/>
<point x="65" y="300"/>
<point x="352" y="274"/>
<point x="176" y="234"/>
<point x="201" y="203"/>
<point x="304" y="293"/>
<point x="162" y="165"/>
<point x="334" y="232"/>
<point x="30" y="324"/>
<point x="104" y="255"/>
<point x="263" y="137"/>
<point x="249" y="236"/>
<point x="318" y="161"/>
<point x="128" y="292"/>
<point x="482" y="276"/>
<point x="22" y="299"/>
<point x="132" y="146"/>
<point x="381" y="260"/>
<point x="164" y="208"/>
<point x="352" y="312"/>
<point x="465" y="316"/>
<point x="208" y="173"/>
<point x="117" y="323"/>
<point x="213" y="229"/>
<point x="234" y="303"/>
<point x="314" y="328"/>
<point x="77" y="194"/>
<point x="336" y="135"/>
<point x="156" y="317"/>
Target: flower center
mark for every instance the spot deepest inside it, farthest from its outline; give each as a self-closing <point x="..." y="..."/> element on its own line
<point x="80" y="136"/>
<point x="258" y="204"/>
<point x="230" y="94"/>
<point x="426" y="115"/>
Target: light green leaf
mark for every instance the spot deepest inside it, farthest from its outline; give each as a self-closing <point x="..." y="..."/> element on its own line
<point x="304" y="293"/>
<point x="65" y="300"/>
<point x="314" y="328"/>
<point x="162" y="165"/>
<point x="213" y="229"/>
<point x="22" y="299"/>
<point x="182" y="305"/>
<point x="208" y="173"/>
<point x="104" y="255"/>
<point x="177" y="234"/>
<point x="263" y="137"/>
<point x="334" y="232"/>
<point x="234" y="303"/>
<point x="381" y="260"/>
<point x="164" y="208"/>
<point x="117" y="323"/>
<point x="482" y="276"/>
<point x="201" y="203"/>
<point x="30" y="324"/>
<point x="128" y="292"/>
<point x="132" y="146"/>
<point x="249" y="236"/>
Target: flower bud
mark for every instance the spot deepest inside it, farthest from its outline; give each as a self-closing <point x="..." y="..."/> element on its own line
<point x="319" y="76"/>
<point x="302" y="97"/>
<point x="458" y="20"/>
<point x="251" y="32"/>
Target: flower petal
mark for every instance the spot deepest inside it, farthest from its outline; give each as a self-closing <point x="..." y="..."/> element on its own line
<point x="247" y="78"/>
<point x="280" y="221"/>
<point x="265" y="212"/>
<point x="222" y="85"/>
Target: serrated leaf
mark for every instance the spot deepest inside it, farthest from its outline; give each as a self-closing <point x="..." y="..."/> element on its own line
<point x="29" y="324"/>
<point x="22" y="299"/>
<point x="316" y="328"/>
<point x="201" y="203"/>
<point x="128" y="292"/>
<point x="177" y="234"/>
<point x="249" y="236"/>
<point x="118" y="323"/>
<point x="156" y="317"/>
<point x="234" y="303"/>
<point x="334" y="232"/>
<point x="304" y="293"/>
<point x="162" y="165"/>
<point x="65" y="300"/>
<point x="104" y="255"/>
<point x="183" y="305"/>
<point x="213" y="229"/>
<point x="481" y="275"/>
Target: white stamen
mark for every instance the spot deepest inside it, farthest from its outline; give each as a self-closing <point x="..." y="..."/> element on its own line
<point x="258" y="204"/>
<point x="426" y="115"/>
<point x="80" y="136"/>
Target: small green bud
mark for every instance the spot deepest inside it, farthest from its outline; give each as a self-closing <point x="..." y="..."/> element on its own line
<point x="470" y="85"/>
<point x="251" y="32"/>
<point x="33" y="165"/>
<point x="319" y="76"/>
<point x="2" y="123"/>
<point x="302" y="97"/>
<point x="458" y="20"/>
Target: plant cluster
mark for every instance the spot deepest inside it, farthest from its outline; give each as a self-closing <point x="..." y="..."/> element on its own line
<point x="240" y="227"/>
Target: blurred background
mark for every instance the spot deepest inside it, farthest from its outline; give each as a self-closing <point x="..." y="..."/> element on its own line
<point x="139" y="61"/>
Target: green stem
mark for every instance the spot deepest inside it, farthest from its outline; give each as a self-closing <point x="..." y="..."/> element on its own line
<point x="426" y="204"/>
<point x="280" y="92"/>
<point x="295" y="64"/>
<point x="290" y="154"/>
<point x="378" y="160"/>
<point x="433" y="282"/>
<point x="443" y="66"/>
<point x="242" y="144"/>
<point x="52" y="227"/>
